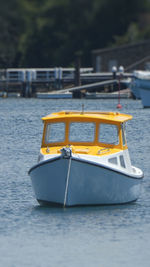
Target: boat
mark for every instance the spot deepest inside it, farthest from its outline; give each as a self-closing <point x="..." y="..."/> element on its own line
<point x="84" y="160"/>
<point x="134" y="85"/>
<point x="141" y="87"/>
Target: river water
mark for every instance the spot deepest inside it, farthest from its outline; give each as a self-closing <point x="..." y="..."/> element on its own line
<point x="30" y="235"/>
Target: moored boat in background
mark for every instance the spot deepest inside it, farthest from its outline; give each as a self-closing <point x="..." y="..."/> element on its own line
<point x="134" y="86"/>
<point x="140" y="87"/>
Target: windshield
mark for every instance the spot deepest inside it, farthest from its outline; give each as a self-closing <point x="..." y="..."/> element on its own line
<point x="82" y="132"/>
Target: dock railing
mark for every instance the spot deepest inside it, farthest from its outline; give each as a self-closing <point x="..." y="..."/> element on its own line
<point x="28" y="81"/>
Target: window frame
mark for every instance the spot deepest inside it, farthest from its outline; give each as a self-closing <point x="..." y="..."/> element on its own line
<point x="95" y="142"/>
<point x="45" y="133"/>
<point x="123" y="130"/>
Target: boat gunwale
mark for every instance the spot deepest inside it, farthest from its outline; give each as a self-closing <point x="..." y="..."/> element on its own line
<point x="130" y="176"/>
<point x="43" y="163"/>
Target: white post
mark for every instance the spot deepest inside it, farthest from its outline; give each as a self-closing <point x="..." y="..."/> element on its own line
<point x="22" y="76"/>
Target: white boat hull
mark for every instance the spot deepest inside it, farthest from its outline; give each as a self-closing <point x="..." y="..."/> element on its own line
<point x="73" y="181"/>
<point x="135" y="89"/>
<point x="141" y="89"/>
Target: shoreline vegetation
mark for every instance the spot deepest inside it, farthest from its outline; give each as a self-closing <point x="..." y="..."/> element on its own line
<point x="47" y="33"/>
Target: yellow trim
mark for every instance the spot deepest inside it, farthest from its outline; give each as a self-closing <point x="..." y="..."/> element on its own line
<point x="91" y="148"/>
<point x="102" y="115"/>
<point x="88" y="150"/>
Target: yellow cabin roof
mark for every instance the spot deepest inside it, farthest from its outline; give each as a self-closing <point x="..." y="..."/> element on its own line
<point x="101" y="115"/>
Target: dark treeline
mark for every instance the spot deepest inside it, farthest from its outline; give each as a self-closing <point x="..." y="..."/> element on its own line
<point x="46" y="33"/>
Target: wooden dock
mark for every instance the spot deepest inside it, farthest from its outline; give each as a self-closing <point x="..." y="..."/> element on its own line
<point x="30" y="82"/>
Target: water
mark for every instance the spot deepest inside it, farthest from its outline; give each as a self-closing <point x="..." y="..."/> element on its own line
<point x="30" y="235"/>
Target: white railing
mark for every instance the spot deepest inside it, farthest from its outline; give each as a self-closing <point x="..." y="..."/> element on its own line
<point x="42" y="75"/>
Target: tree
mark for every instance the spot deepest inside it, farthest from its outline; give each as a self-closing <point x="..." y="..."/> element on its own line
<point x="48" y="33"/>
<point x="10" y="30"/>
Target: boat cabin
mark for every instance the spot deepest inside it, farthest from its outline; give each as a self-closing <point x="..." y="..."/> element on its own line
<point x="94" y="133"/>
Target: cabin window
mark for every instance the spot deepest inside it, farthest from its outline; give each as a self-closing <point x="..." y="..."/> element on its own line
<point x="122" y="163"/>
<point x="113" y="160"/>
<point x="82" y="132"/>
<point x="55" y="133"/>
<point x="108" y="134"/>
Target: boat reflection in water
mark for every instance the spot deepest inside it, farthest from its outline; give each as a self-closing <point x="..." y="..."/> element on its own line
<point x="84" y="160"/>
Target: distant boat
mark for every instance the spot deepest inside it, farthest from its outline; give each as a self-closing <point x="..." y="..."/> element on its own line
<point x="141" y="87"/>
<point x="134" y="85"/>
<point x="84" y="160"/>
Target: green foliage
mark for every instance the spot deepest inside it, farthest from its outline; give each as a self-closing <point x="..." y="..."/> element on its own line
<point x="48" y="33"/>
<point x="10" y="30"/>
<point x="131" y="36"/>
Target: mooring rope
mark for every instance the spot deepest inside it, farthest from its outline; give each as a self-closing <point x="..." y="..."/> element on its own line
<point x="67" y="182"/>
